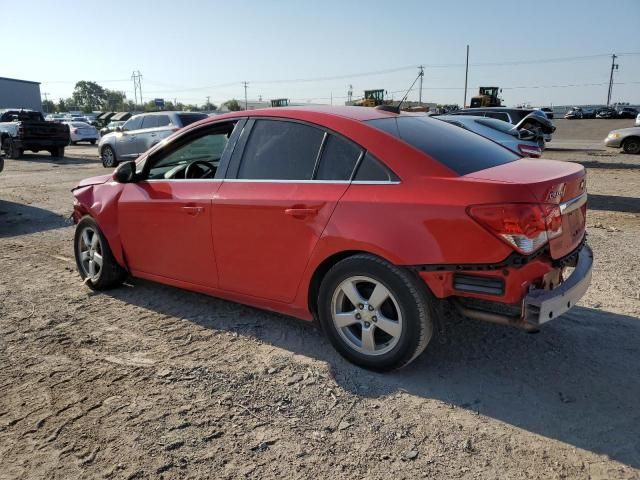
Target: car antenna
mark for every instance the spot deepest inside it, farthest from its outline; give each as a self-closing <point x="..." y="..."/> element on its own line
<point x="396" y="109"/>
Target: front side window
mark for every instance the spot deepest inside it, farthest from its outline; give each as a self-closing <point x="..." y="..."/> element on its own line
<point x="280" y="150"/>
<point x="199" y="157"/>
<point x="132" y="124"/>
<point x="150" y="121"/>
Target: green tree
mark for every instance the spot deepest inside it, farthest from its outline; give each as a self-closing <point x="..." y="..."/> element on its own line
<point x="209" y="106"/>
<point x="232" y="105"/>
<point x="89" y="95"/>
<point x="48" y="106"/>
<point x="62" y="105"/>
<point x="114" y="100"/>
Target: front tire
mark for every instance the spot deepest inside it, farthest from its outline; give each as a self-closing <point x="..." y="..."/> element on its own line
<point x="631" y="145"/>
<point x="11" y="150"/>
<point x="57" y="152"/>
<point x="375" y="314"/>
<point x="96" y="264"/>
<point x="108" y="157"/>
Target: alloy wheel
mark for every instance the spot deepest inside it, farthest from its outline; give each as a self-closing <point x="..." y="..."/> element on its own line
<point x="108" y="158"/>
<point x="366" y="315"/>
<point x="91" y="256"/>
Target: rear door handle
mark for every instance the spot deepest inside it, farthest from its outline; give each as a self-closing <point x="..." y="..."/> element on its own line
<point x="301" y="212"/>
<point x="193" y="210"/>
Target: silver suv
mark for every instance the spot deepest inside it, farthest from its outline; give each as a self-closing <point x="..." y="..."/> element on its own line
<point x="140" y="133"/>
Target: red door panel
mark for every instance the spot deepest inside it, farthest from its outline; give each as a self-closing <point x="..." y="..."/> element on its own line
<point x="166" y="229"/>
<point x="264" y="233"/>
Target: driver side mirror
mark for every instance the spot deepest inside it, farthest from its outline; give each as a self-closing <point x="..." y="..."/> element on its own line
<point x="125" y="172"/>
<point x="119" y="129"/>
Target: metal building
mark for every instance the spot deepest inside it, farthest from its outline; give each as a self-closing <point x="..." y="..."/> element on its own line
<point x="20" y="94"/>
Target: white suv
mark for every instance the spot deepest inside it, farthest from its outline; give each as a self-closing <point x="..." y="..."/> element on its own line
<point x="140" y="133"/>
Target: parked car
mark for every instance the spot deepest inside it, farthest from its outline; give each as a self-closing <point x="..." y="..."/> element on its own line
<point x="522" y="142"/>
<point x="548" y="112"/>
<point x="627" y="112"/>
<point x="588" y="113"/>
<point x="574" y="113"/>
<point x="111" y="127"/>
<point x="638" y="120"/>
<point x="82" y="132"/>
<point x="140" y="133"/>
<point x="22" y="130"/>
<point x="626" y="138"/>
<point x="530" y="119"/>
<point x="606" y="113"/>
<point x="370" y="221"/>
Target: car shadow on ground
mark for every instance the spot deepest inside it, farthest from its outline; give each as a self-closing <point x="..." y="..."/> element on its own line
<point x="19" y="219"/>
<point x="614" y="203"/>
<point x="577" y="381"/>
<point x="608" y="165"/>
<point x="46" y="158"/>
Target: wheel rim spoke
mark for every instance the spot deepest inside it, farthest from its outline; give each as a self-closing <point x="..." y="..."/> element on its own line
<point x="97" y="258"/>
<point x="368" y="339"/>
<point x="389" y="326"/>
<point x="378" y="296"/>
<point x="94" y="241"/>
<point x="92" y="269"/>
<point x="86" y="239"/>
<point x="84" y="255"/>
<point x="345" y="319"/>
<point x="349" y="289"/>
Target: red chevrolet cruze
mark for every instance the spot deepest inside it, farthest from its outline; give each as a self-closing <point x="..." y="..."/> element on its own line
<point x="372" y="222"/>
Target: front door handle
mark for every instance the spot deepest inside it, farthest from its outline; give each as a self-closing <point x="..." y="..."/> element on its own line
<point x="301" y="212"/>
<point x="193" y="210"/>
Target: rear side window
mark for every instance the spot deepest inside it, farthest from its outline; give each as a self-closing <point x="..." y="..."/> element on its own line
<point x="162" y="120"/>
<point x="280" y="150"/>
<point x="189" y="118"/>
<point x="372" y="170"/>
<point x="339" y="158"/>
<point x="150" y="121"/>
<point x="460" y="150"/>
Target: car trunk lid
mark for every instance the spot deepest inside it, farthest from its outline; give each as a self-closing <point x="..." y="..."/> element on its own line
<point x="551" y="183"/>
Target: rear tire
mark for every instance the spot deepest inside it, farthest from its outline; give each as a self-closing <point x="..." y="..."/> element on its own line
<point x="93" y="142"/>
<point x="375" y="314"/>
<point x="631" y="145"/>
<point x="108" y="157"/>
<point x="96" y="264"/>
<point x="57" y="152"/>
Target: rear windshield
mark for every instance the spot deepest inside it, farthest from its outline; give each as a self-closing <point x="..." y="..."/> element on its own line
<point x="459" y="149"/>
<point x="189" y="118"/>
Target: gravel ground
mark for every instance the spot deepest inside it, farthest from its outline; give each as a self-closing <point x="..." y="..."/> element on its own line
<point x="148" y="381"/>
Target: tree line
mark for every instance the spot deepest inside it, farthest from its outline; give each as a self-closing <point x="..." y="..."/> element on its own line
<point x="91" y="97"/>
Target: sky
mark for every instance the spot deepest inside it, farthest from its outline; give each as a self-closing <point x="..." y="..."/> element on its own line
<point x="542" y="52"/>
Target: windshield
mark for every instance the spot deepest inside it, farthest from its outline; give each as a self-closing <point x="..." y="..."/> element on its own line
<point x="459" y="149"/>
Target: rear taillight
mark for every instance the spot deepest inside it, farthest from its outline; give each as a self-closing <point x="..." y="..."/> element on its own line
<point x="530" y="150"/>
<point x="524" y="226"/>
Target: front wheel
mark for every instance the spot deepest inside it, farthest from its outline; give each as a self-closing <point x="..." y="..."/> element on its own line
<point x="11" y="150"/>
<point x="57" y="152"/>
<point x="96" y="264"/>
<point x="108" y="157"/>
<point x="631" y="145"/>
<point x="375" y="314"/>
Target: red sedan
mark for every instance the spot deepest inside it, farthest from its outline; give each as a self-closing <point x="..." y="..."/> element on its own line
<point x="369" y="221"/>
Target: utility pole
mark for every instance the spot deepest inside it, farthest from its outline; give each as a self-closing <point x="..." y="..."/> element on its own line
<point x="466" y="76"/>
<point x="45" y="101"/>
<point x="421" y="68"/>
<point x="614" y="66"/>
<point x="246" y="84"/>
<point x="208" y="103"/>
<point x="136" y="76"/>
<point x="350" y="95"/>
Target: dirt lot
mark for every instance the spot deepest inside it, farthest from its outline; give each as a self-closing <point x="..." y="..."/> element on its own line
<point x="148" y="381"/>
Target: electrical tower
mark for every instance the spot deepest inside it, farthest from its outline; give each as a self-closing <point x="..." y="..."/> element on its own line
<point x="246" y="84"/>
<point x="421" y="74"/>
<point x="614" y="66"/>
<point x="350" y="95"/>
<point x="136" y="76"/>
